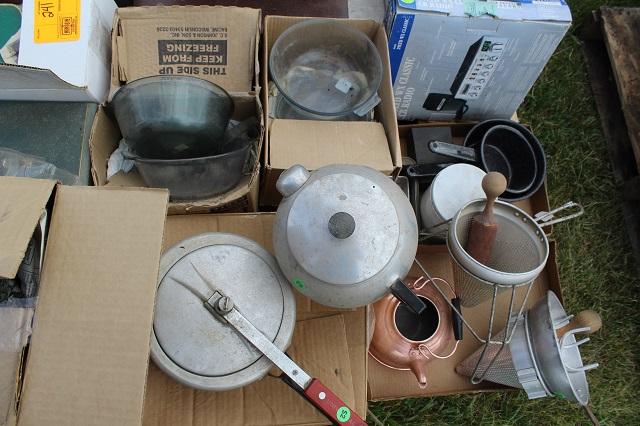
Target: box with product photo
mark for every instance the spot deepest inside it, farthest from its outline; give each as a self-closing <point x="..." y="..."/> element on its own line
<point x="92" y="337"/>
<point x="315" y="143"/>
<point x="64" y="52"/>
<point x="473" y="59"/>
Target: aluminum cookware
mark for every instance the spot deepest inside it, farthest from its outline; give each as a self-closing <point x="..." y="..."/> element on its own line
<point x="192" y="346"/>
<point x="452" y="188"/>
<point x="506" y="147"/>
<point x="189" y="179"/>
<point x="345" y="235"/>
<point x="543" y="355"/>
<point x="172" y="117"/>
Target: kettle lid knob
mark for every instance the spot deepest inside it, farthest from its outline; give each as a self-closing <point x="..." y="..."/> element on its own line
<point x="291" y="180"/>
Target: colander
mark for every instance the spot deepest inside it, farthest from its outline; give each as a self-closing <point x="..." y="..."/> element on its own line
<point x="519" y="254"/>
<point x="539" y="358"/>
<point x="509" y="364"/>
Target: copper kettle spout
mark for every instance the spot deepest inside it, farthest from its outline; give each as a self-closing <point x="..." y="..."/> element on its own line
<point x="418" y="367"/>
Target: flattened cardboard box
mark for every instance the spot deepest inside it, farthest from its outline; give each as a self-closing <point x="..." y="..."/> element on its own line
<point x="22" y="203"/>
<point x="214" y="43"/>
<point x="328" y="344"/>
<point x="318" y="143"/>
<point x="105" y="137"/>
<point x="89" y="350"/>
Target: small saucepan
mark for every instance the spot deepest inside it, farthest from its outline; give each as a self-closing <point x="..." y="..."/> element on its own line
<point x="506" y="147"/>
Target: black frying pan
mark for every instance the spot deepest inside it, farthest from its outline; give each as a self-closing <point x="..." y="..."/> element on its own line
<point x="503" y="146"/>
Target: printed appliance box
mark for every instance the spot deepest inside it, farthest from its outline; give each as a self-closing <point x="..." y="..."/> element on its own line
<point x="467" y="58"/>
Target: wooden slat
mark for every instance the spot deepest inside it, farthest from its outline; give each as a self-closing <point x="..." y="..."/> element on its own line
<point x="622" y="38"/>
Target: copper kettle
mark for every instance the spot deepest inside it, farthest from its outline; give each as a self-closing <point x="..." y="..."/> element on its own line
<point x="403" y="340"/>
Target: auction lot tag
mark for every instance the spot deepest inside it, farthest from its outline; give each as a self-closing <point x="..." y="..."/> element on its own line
<point x="56" y="20"/>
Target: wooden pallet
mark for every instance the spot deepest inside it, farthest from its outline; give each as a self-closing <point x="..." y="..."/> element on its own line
<point x="612" y="52"/>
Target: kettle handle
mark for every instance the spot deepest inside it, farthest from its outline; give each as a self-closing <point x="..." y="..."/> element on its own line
<point x="408" y="297"/>
<point x="291" y="180"/>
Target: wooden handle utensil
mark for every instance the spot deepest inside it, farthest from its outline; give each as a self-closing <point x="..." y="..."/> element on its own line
<point x="583" y="319"/>
<point x="483" y="228"/>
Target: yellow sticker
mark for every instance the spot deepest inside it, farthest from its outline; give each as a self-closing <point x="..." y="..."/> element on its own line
<point x="56" y="20"/>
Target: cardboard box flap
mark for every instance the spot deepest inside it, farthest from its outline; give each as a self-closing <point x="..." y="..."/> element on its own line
<point x="548" y="10"/>
<point x="216" y="43"/>
<point x="22" y="202"/>
<point x="90" y="347"/>
<point x="292" y="140"/>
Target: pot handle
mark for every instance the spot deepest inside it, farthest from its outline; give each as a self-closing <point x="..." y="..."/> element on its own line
<point x="452" y="150"/>
<point x="408" y="297"/>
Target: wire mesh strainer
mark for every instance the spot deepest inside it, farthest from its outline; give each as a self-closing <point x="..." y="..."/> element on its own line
<point x="510" y="364"/>
<point x="519" y="254"/>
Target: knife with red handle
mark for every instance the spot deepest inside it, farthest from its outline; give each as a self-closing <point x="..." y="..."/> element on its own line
<point x="331" y="405"/>
<point x="313" y="390"/>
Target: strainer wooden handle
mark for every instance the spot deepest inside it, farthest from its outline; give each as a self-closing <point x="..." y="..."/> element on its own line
<point x="587" y="318"/>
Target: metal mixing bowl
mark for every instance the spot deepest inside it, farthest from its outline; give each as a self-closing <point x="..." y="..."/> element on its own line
<point x="172" y="117"/>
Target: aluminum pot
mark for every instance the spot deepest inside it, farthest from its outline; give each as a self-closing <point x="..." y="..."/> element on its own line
<point x="403" y="340"/>
<point x="196" y="178"/>
<point x="171" y="117"/>
<point x="451" y="189"/>
<point x="345" y="235"/>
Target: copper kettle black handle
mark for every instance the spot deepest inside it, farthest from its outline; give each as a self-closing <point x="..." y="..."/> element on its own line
<point x="457" y="321"/>
<point x="408" y="297"/>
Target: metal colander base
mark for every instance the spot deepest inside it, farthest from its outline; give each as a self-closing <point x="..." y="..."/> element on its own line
<point x="502" y="370"/>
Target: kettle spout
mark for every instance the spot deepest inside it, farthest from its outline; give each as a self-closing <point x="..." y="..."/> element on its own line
<point x="417" y="366"/>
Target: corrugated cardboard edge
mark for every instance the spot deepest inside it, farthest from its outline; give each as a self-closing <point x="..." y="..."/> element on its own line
<point x="386" y="110"/>
<point x="14" y="335"/>
<point x="95" y="308"/>
<point x="21" y="205"/>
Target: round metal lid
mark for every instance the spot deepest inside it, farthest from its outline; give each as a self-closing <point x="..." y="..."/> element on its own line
<point x="189" y="342"/>
<point x="454" y="187"/>
<point x="343" y="228"/>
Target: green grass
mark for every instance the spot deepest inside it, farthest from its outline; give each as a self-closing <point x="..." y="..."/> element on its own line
<point x="597" y="268"/>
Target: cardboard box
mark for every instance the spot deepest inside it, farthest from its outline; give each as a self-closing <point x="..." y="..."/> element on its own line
<point x="105" y="136"/>
<point x="93" y="320"/>
<point x="23" y="203"/>
<point x="64" y="53"/>
<point x="471" y="59"/>
<point x="442" y="379"/>
<point x="89" y="349"/>
<point x="385" y="383"/>
<point x="318" y="143"/>
<point x="214" y="43"/>
<point x="319" y="346"/>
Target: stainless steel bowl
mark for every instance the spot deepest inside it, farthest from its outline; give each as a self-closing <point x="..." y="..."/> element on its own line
<point x="196" y="178"/>
<point x="172" y="117"/>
